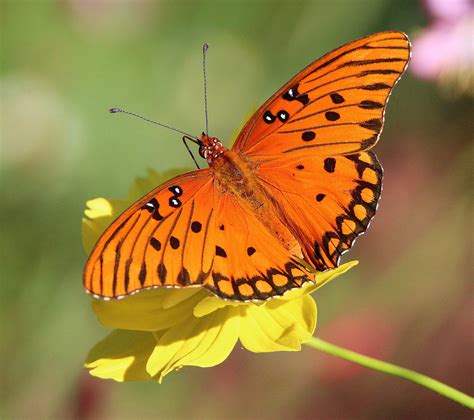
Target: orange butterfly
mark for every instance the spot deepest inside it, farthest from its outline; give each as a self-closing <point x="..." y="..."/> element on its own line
<point x="296" y="189"/>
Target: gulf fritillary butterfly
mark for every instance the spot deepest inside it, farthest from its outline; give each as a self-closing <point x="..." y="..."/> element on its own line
<point x="296" y="189"/>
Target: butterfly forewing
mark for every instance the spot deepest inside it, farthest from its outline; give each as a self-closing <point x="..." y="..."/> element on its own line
<point x="165" y="239"/>
<point x="335" y="105"/>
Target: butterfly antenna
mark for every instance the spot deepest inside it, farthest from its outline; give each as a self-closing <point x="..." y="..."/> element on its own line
<point x="204" y="51"/>
<point x="117" y="110"/>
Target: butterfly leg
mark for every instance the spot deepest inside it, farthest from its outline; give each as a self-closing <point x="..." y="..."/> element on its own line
<point x="189" y="150"/>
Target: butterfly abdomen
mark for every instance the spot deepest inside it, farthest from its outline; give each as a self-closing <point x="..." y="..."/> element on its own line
<point x="236" y="175"/>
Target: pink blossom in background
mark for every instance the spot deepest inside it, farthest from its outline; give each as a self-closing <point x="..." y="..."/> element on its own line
<point x="444" y="51"/>
<point x="448" y="10"/>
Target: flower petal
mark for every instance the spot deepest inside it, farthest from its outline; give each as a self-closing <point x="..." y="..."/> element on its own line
<point x="121" y="356"/>
<point x="100" y="213"/>
<point x="279" y="325"/>
<point x="211" y="304"/>
<point x="146" y="311"/>
<point x="321" y="280"/>
<point x="180" y="295"/>
<point x="204" y="342"/>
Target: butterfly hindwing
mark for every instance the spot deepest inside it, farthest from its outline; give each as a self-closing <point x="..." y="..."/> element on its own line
<point x="327" y="201"/>
<point x="250" y="263"/>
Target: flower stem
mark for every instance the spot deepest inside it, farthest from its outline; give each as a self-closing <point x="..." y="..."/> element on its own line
<point x="418" y="378"/>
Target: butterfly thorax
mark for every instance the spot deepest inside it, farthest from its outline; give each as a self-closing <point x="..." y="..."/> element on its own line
<point x="233" y="172"/>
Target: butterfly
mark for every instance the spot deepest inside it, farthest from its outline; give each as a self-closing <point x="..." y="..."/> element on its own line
<point x="298" y="186"/>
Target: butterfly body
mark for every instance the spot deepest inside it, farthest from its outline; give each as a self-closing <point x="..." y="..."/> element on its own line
<point x="236" y="175"/>
<point x="300" y="183"/>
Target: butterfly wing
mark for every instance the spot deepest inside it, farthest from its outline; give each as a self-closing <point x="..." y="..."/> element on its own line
<point x="326" y="201"/>
<point x="335" y="105"/>
<point x="187" y="233"/>
<point x="161" y="240"/>
<point x="250" y="263"/>
<point x="311" y="142"/>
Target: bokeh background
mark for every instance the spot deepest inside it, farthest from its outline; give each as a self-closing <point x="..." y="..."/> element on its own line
<point x="64" y="63"/>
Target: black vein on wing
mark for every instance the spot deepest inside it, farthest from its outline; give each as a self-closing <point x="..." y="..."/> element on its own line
<point x="117" y="255"/>
<point x="320" y="112"/>
<point x="130" y="257"/>
<point x="165" y="245"/>
<point x="312" y="146"/>
<point x="204" y="240"/>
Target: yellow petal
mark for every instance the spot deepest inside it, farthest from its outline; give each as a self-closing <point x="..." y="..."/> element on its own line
<point x="145" y="311"/>
<point x="211" y="304"/>
<point x="179" y="295"/>
<point x="321" y="279"/>
<point x="204" y="342"/>
<point x="279" y="325"/>
<point x="121" y="356"/>
<point x="100" y="213"/>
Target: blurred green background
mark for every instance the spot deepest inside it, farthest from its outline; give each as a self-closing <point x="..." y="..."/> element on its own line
<point x="64" y="63"/>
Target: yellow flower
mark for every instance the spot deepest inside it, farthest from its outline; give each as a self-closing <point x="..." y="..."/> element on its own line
<point x="158" y="331"/>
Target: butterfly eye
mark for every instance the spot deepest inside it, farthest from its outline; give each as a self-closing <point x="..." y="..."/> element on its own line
<point x="203" y="152"/>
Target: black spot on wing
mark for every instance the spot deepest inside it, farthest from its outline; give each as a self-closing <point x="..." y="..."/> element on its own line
<point x="308" y="136"/>
<point x="155" y="243"/>
<point x="332" y="116"/>
<point x="374" y="124"/>
<point x="370" y="105"/>
<point x="268" y="117"/>
<point x="196" y="226"/>
<point x="174" y="242"/>
<point x="329" y="164"/>
<point x="336" y="98"/>
<point x="220" y="252"/>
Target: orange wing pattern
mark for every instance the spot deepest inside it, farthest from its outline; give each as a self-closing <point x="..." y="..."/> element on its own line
<point x="308" y="145"/>
<point x="250" y="263"/>
<point x="325" y="209"/>
<point x="335" y="105"/>
<point x="176" y="237"/>
<point x="311" y="139"/>
<point x="164" y="239"/>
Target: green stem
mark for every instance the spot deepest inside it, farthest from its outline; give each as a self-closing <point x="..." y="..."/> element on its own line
<point x="418" y="378"/>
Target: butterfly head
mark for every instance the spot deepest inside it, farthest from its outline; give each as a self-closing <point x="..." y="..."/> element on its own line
<point x="210" y="148"/>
